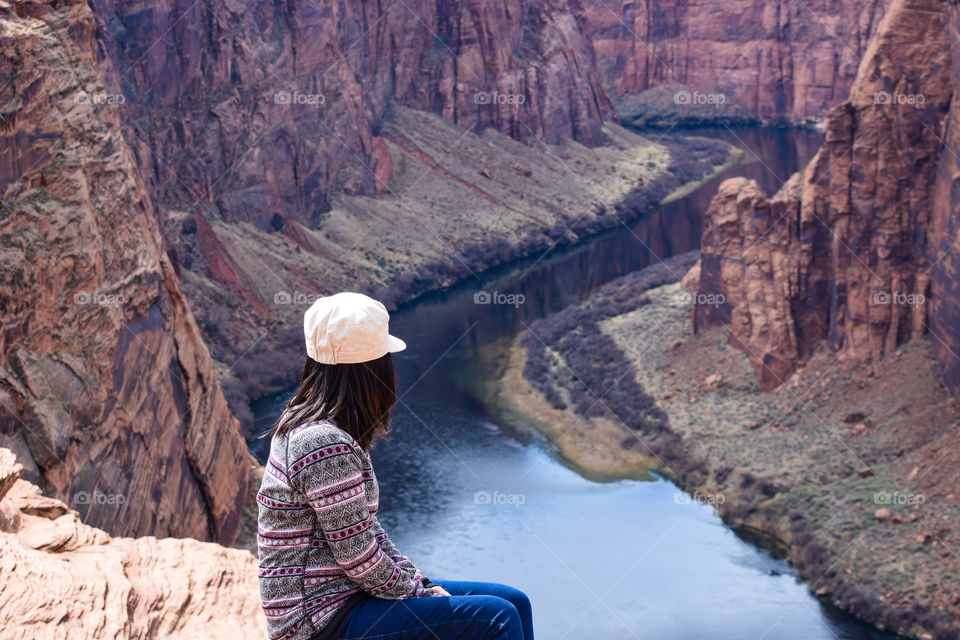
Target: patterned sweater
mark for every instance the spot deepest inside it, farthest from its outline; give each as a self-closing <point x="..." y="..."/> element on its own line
<point x="319" y="541"/>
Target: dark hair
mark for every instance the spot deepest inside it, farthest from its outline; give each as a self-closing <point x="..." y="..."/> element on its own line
<point x="356" y="397"/>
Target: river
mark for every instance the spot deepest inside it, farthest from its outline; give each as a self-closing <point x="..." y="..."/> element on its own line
<point x="600" y="560"/>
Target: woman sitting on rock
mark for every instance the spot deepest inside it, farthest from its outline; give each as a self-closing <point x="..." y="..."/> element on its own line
<point x="327" y="568"/>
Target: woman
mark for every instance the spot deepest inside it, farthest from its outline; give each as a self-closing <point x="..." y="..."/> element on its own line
<point x="327" y="568"/>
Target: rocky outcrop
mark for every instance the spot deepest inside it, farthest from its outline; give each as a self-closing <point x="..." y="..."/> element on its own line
<point x="747" y="274"/>
<point x="107" y="391"/>
<point x="65" y="579"/>
<point x="781" y="60"/>
<point x="860" y="253"/>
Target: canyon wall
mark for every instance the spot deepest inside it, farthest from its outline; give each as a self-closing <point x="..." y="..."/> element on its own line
<point x="107" y="392"/>
<point x="860" y="252"/>
<point x="65" y="579"/>
<point x="781" y="60"/>
<point x="944" y="233"/>
<point x="260" y="113"/>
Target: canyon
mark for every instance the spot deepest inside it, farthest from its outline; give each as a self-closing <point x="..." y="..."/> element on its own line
<point x="271" y="140"/>
<point x="804" y="368"/>
<point x="181" y="179"/>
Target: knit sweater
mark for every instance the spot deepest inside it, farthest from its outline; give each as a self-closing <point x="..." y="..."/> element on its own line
<point x="319" y="541"/>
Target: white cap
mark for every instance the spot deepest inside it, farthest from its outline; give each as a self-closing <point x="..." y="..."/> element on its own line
<point x="348" y="328"/>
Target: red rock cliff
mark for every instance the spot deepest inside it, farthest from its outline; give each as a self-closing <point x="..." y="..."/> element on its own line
<point x="246" y="113"/>
<point x="107" y="392"/>
<point x="781" y="59"/>
<point x="862" y="251"/>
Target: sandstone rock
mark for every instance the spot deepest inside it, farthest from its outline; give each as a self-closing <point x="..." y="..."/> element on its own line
<point x="778" y="59"/>
<point x="857" y="252"/>
<point x="242" y="89"/>
<point x="691" y="280"/>
<point x="105" y="382"/>
<point x="747" y="265"/>
<point x="10" y="471"/>
<point x="882" y="514"/>
<point x="64" y="579"/>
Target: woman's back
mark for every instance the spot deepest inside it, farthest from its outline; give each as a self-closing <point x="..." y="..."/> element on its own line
<point x="318" y="532"/>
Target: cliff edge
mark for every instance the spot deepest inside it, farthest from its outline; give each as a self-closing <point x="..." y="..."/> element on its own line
<point x="62" y="578"/>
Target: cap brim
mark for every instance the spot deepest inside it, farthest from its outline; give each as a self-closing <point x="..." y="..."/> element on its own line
<point x="395" y="344"/>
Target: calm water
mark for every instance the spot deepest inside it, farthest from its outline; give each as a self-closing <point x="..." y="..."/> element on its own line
<point x="600" y="561"/>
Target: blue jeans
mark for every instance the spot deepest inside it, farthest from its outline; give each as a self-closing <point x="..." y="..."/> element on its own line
<point x="473" y="611"/>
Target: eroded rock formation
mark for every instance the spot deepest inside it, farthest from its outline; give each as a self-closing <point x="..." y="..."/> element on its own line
<point x="781" y="60"/>
<point x="861" y="252"/>
<point x="746" y="274"/>
<point x="64" y="579"/>
<point x="107" y="391"/>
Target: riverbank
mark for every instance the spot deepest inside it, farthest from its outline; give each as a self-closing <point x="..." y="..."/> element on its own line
<point x="854" y="472"/>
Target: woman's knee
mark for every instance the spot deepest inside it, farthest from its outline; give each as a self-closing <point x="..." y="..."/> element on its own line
<point x="502" y="616"/>
<point x="514" y="596"/>
<point x="517" y="598"/>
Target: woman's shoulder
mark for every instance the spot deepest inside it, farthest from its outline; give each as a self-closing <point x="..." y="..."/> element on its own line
<point x="318" y="435"/>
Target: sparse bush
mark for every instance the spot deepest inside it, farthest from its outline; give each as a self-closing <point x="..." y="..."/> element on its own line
<point x="594" y="376"/>
<point x="814" y="554"/>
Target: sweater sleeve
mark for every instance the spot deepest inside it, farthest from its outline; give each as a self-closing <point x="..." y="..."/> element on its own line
<point x="333" y="483"/>
<point x="386" y="544"/>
